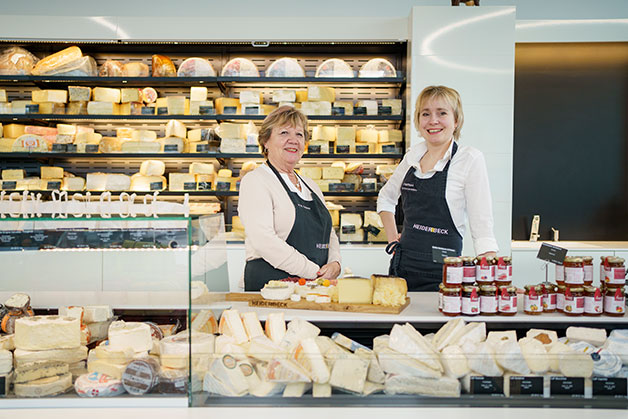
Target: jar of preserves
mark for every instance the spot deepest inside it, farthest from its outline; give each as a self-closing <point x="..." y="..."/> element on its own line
<point x="574" y="270"/>
<point x="587" y="261"/>
<point x="533" y="300"/>
<point x="550" y="297"/>
<point x="452" y="301"/>
<point x="507" y="301"/>
<point x="614" y="272"/>
<point x="560" y="298"/>
<point x="593" y="302"/>
<point x="602" y="265"/>
<point x="560" y="274"/>
<point x="503" y="271"/>
<point x="489" y="301"/>
<point x="470" y="300"/>
<point x="440" y="296"/>
<point x="615" y="302"/>
<point x="484" y="270"/>
<point x="452" y="271"/>
<point x="574" y="301"/>
<point x="468" y="270"/>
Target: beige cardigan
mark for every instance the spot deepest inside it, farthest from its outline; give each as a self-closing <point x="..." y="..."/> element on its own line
<point x="267" y="214"/>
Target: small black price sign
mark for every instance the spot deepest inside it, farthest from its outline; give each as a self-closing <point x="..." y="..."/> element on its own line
<point x="162" y="110"/>
<point x="189" y="186"/>
<point x="361" y="148"/>
<point x="206" y="110"/>
<point x="440" y="253"/>
<point x="230" y="110"/>
<point x="156" y="186"/>
<point x="552" y="253"/>
<point x="54" y="185"/>
<point x="251" y="110"/>
<point x="614" y="387"/>
<point x="202" y="148"/>
<point x="368" y="187"/>
<point x="4" y="386"/>
<point x="148" y="110"/>
<point x="314" y="149"/>
<point x="9" y="184"/>
<point x="493" y="386"/>
<point x="204" y="186"/>
<point x="223" y="186"/>
<point x="91" y="148"/>
<point x="526" y="386"/>
<point x="71" y="148"/>
<point x="342" y="187"/>
<point x="567" y="386"/>
<point x="343" y="149"/>
<point x="34" y="108"/>
<point x="171" y="148"/>
<point x="384" y="110"/>
<point x="372" y="229"/>
<point x="59" y="148"/>
<point x="348" y="229"/>
<point x="252" y="148"/>
<point x="10" y="240"/>
<point x="389" y="148"/>
<point x="337" y="111"/>
<point x="359" y="110"/>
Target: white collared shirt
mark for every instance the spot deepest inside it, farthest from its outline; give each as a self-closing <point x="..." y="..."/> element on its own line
<point x="304" y="193"/>
<point x="467" y="191"/>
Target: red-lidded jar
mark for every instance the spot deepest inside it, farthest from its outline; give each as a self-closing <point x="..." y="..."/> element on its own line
<point x="470" y="300"/>
<point x="468" y="270"/>
<point x="533" y="300"/>
<point x="489" y="301"/>
<point x="560" y="298"/>
<point x="602" y="264"/>
<point x="574" y="270"/>
<point x="507" y="301"/>
<point x="560" y="275"/>
<point x="593" y="301"/>
<point x="574" y="301"/>
<point x="452" y="271"/>
<point x="440" y="297"/>
<point x="614" y="272"/>
<point x="587" y="261"/>
<point x="484" y="271"/>
<point x="503" y="271"/>
<point x="550" y="297"/>
<point x="452" y="301"/>
<point x="615" y="302"/>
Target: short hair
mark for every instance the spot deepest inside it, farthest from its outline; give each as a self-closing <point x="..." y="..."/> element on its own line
<point x="451" y="96"/>
<point x="283" y="115"/>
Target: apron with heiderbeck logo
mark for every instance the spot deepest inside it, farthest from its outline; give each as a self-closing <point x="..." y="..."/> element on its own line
<point x="309" y="236"/>
<point x="427" y="224"/>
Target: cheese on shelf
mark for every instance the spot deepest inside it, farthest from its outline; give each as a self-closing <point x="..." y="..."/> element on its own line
<point x="141" y="183"/>
<point x="370" y="105"/>
<point x="367" y="135"/>
<point x="57" y="96"/>
<point x="395" y="105"/>
<point x="252" y="325"/>
<point x="318" y="147"/>
<point x="72" y="355"/>
<point x="233" y="145"/>
<point x="311" y="172"/>
<point x="178" y="105"/>
<point x="13" y="174"/>
<point x="106" y="94"/>
<point x="77" y="108"/>
<point x="334" y="67"/>
<point x="301" y="95"/>
<point x="345" y="135"/>
<point x="348" y="106"/>
<point x="177" y="181"/>
<point x="14" y="130"/>
<point x="131" y="94"/>
<point x="196" y="67"/>
<point x="19" y="106"/>
<point x="198" y="93"/>
<point x="227" y="102"/>
<point x="324" y="133"/>
<point x="198" y="168"/>
<point x="134" y="335"/>
<point x="49" y="386"/>
<point x="317" y="93"/>
<point x="195" y="106"/>
<point x="97" y="182"/>
<point x="144" y="135"/>
<point x="3" y="95"/>
<point x="51" y="108"/>
<point x="390" y="136"/>
<point x="349" y="373"/>
<point x="275" y="327"/>
<point x="152" y="168"/>
<point x="73" y="184"/>
<point x="285" y="67"/>
<point x="171" y="144"/>
<point x="103" y="108"/>
<point x="47" y="332"/>
<point x="240" y="67"/>
<point x="355" y="290"/>
<point x="284" y="96"/>
<point x="141" y="146"/>
<point x="333" y="173"/>
<point x="251" y="96"/>
<point x="230" y="130"/>
<point x="51" y="172"/>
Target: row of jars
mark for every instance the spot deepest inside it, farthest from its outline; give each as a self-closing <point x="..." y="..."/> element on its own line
<point x="472" y="300"/>
<point x="578" y="270"/>
<point x="466" y="270"/>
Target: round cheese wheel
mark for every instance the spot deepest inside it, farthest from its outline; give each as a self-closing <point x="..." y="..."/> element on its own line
<point x="196" y="67"/>
<point x="140" y="376"/>
<point x="163" y="66"/>
<point x="240" y="67"/>
<point x="111" y="68"/>
<point x="135" y="70"/>
<point x="285" y="67"/>
<point x="96" y="384"/>
<point x="377" y="67"/>
<point x="334" y="67"/>
<point x="149" y="94"/>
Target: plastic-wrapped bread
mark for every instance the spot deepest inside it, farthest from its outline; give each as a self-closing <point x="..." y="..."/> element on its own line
<point x="135" y="70"/>
<point x="111" y="68"/>
<point x="377" y="67"/>
<point x="285" y="67"/>
<point x="16" y="61"/>
<point x="334" y="67"/>
<point x="240" y="67"/>
<point x="163" y="66"/>
<point x="196" y="67"/>
<point x="57" y="60"/>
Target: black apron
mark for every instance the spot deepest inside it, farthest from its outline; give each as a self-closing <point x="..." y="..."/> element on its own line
<point x="309" y="235"/>
<point x="427" y="223"/>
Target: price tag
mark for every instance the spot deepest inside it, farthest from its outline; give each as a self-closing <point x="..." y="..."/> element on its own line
<point x="384" y="110"/>
<point x="359" y="110"/>
<point x="171" y="148"/>
<point x="567" y="386"/>
<point x="204" y="186"/>
<point x="202" y="148"/>
<point x="314" y="149"/>
<point x="368" y="186"/>
<point x="139" y="238"/>
<point x="156" y="186"/>
<point x="526" y="386"/>
<point x="106" y="239"/>
<point x="440" y="253"/>
<point x="337" y="110"/>
<point x="389" y="148"/>
<point x="230" y="110"/>
<point x="348" y="229"/>
<point x="361" y="148"/>
<point x="9" y="184"/>
<point x="55" y="185"/>
<point x="206" y="110"/>
<point x="162" y="110"/>
<point x="493" y="386"/>
<point x="34" y="108"/>
<point x="252" y="148"/>
<point x="615" y="387"/>
<point x="343" y="149"/>
<point x="189" y="186"/>
<point x="251" y="110"/>
<point x="148" y="110"/>
<point x="173" y="238"/>
<point x="372" y="229"/>
<point x="10" y="240"/>
<point x="341" y="187"/>
<point x="73" y="239"/>
<point x="59" y="148"/>
<point x="552" y="253"/>
<point x="223" y="186"/>
<point x="71" y="148"/>
<point x="4" y="385"/>
<point x="91" y="148"/>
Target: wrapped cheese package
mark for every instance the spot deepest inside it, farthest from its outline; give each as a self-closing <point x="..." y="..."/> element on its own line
<point x="285" y="67"/>
<point x="67" y="62"/>
<point x="196" y="67"/>
<point x="163" y="66"/>
<point x="16" y="61"/>
<point x="111" y="68"/>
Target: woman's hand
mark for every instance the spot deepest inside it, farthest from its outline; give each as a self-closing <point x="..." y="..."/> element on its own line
<point x="329" y="270"/>
<point x="488" y="255"/>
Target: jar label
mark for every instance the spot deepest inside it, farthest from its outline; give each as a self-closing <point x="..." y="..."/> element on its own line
<point x="468" y="272"/>
<point x="592" y="305"/>
<point x="470" y="306"/>
<point x="574" y="305"/>
<point x="588" y="273"/>
<point x="560" y="301"/>
<point x="614" y="305"/>
<point x="454" y="274"/>
<point x="574" y="276"/>
<point x="440" y="301"/>
<point x="488" y="304"/>
<point x="452" y="304"/>
<point x="484" y="274"/>
<point x="615" y="275"/>
<point x="508" y="304"/>
<point x="502" y="273"/>
<point x="532" y="304"/>
<point x="560" y="273"/>
<point x="549" y="301"/>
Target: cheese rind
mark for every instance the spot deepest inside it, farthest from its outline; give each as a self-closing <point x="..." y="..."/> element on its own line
<point x="56" y="96"/>
<point x="355" y="290"/>
<point x="134" y="335"/>
<point x="317" y="93"/>
<point x="44" y="387"/>
<point x="47" y="332"/>
<point x="106" y="94"/>
<point x="70" y="356"/>
<point x="38" y="370"/>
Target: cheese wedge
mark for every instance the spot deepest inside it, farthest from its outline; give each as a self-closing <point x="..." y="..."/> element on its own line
<point x="275" y="327"/>
<point x="252" y="325"/>
<point x="406" y="339"/>
<point x="454" y="362"/>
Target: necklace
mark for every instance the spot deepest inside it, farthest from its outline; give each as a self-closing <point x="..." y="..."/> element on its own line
<point x="295" y="180"/>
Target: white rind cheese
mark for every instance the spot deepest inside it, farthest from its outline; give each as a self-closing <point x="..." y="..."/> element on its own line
<point x="134" y="335"/>
<point x="349" y="373"/>
<point x="70" y="356"/>
<point x="44" y="387"/>
<point x="47" y="332"/>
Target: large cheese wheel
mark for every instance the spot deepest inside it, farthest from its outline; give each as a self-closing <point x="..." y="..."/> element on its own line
<point x="135" y="70"/>
<point x="196" y="67"/>
<point x="16" y="61"/>
<point x="240" y="67"/>
<point x="163" y="66"/>
<point x="57" y="60"/>
<point x="334" y="67"/>
<point x="377" y="67"/>
<point x="111" y="68"/>
<point x="285" y="67"/>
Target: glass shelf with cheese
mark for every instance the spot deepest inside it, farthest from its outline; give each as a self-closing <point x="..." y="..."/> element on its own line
<point x="199" y="155"/>
<point x="165" y="117"/>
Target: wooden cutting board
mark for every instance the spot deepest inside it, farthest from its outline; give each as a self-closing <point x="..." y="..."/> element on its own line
<point x="256" y="300"/>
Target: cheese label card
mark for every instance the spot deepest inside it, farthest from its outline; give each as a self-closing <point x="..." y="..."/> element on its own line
<point x="384" y="110"/>
<point x="4" y="385"/>
<point x="9" y="184"/>
<point x="172" y="238"/>
<point x="171" y="148"/>
<point x="162" y="110"/>
<point x="139" y="238"/>
<point x="440" y="253"/>
<point x="156" y="186"/>
<point x="314" y="149"/>
<point x="189" y="186"/>
<point x="251" y="110"/>
<point x="56" y="185"/>
<point x="72" y="239"/>
<point x="202" y="148"/>
<point x="552" y="253"/>
<point x="361" y="148"/>
<point x="59" y="148"/>
<point x="337" y="111"/>
<point x="206" y="110"/>
<point x="91" y="148"/>
<point x="230" y="110"/>
<point x="71" y="148"/>
<point x="204" y="186"/>
<point x="389" y="148"/>
<point x="223" y="186"/>
<point x="252" y="148"/>
<point x="368" y="187"/>
<point x="615" y="387"/>
<point x="31" y="108"/>
<point x="342" y="149"/>
<point x="526" y="386"/>
<point x="372" y="229"/>
<point x="348" y="229"/>
<point x="493" y="386"/>
<point x="341" y="187"/>
<point x="359" y="110"/>
<point x="148" y="110"/>
<point x="10" y="240"/>
<point x="567" y="386"/>
<point x="105" y="239"/>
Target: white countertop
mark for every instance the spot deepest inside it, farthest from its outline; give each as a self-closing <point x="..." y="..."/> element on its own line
<point x="571" y="245"/>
